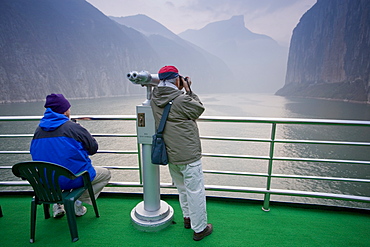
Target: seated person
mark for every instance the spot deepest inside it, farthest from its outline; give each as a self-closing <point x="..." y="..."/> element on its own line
<point x="66" y="143"/>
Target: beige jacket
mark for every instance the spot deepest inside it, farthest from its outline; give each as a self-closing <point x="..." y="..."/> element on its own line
<point x="181" y="133"/>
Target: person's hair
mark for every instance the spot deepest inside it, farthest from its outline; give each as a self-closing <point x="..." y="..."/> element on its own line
<point x="172" y="80"/>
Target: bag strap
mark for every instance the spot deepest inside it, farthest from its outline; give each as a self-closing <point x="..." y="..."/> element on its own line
<point x="166" y="111"/>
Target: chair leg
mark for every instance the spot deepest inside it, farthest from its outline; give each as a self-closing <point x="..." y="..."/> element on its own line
<point x="93" y="200"/>
<point x="95" y="207"/>
<point x="33" y="220"/>
<point x="69" y="207"/>
<point x="46" y="210"/>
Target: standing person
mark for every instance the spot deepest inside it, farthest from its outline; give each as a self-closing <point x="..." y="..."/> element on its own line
<point x="183" y="146"/>
<point x="66" y="143"/>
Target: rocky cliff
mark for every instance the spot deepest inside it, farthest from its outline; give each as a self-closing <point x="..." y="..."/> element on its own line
<point x="329" y="54"/>
<point x="67" y="47"/>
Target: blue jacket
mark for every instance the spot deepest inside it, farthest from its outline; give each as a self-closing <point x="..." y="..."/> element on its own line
<point x="63" y="142"/>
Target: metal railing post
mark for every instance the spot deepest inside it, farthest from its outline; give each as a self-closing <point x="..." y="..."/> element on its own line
<point x="266" y="201"/>
<point x="140" y="163"/>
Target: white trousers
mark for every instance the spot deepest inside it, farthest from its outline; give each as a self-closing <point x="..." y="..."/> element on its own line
<point x="190" y="185"/>
<point x="100" y="181"/>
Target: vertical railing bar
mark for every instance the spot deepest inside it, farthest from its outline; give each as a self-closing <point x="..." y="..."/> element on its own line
<point x="266" y="201"/>
<point x="139" y="162"/>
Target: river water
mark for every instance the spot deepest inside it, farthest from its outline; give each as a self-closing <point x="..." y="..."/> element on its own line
<point x="236" y="105"/>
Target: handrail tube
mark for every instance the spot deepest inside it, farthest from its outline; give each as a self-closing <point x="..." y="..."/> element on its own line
<point x="16" y="135"/>
<point x="358" y="162"/>
<point x="285" y="121"/>
<point x="14" y="152"/>
<point x="104" y="117"/>
<point x="113" y="135"/>
<point x="210" y="119"/>
<point x="234" y="156"/>
<point x="76" y="117"/>
<point x="323" y="142"/>
<point x="108" y="167"/>
<point x="234" y="139"/>
<point x="285" y="141"/>
<point x="20" y="118"/>
<point x="233" y="189"/>
<point x="99" y="151"/>
<point x="248" y="174"/>
<point x="220" y="139"/>
<point x="121" y="167"/>
<point x="360" y="180"/>
<point x="236" y="173"/>
<point x="95" y="135"/>
<point x="116" y="152"/>
<point x="110" y="184"/>
<point x="288" y="193"/>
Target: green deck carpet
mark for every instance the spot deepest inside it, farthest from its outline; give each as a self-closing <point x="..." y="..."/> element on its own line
<point x="236" y="223"/>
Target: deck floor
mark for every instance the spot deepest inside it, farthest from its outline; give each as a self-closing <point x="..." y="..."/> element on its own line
<point x="236" y="223"/>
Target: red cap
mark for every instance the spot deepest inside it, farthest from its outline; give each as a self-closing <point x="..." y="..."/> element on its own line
<point x="168" y="72"/>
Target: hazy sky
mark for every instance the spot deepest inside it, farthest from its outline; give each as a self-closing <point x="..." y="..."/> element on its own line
<point x="275" y="18"/>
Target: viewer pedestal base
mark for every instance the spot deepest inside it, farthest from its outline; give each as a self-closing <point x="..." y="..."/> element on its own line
<point x="152" y="221"/>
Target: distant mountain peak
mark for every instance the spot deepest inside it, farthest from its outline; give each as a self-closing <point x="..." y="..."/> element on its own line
<point x="233" y="28"/>
<point x="238" y="19"/>
<point x="145" y="25"/>
<point x="235" y="25"/>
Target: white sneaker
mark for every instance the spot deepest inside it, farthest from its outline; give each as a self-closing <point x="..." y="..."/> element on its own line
<point x="79" y="209"/>
<point x="58" y="210"/>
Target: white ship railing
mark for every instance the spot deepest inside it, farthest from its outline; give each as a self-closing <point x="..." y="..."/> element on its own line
<point x="267" y="190"/>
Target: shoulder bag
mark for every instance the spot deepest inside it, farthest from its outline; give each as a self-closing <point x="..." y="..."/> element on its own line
<point x="159" y="152"/>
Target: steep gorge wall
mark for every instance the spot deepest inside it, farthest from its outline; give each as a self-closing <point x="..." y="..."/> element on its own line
<point x="329" y="54"/>
<point x="67" y="47"/>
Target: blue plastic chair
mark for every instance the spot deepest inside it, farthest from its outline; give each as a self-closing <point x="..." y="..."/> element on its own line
<point x="43" y="177"/>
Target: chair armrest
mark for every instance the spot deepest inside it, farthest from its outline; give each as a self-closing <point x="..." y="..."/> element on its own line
<point x="81" y="174"/>
<point x="85" y="176"/>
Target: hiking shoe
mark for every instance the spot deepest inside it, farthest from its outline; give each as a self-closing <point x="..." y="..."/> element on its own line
<point x="187" y="224"/>
<point x="79" y="209"/>
<point x="58" y="210"/>
<point x="207" y="231"/>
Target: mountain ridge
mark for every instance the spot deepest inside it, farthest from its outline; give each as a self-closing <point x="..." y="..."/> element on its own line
<point x="256" y="57"/>
<point x="188" y="57"/>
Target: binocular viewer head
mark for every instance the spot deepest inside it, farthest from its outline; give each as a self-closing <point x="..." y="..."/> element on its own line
<point x="143" y="78"/>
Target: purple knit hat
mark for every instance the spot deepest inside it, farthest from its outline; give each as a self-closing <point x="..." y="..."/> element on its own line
<point x="57" y="103"/>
